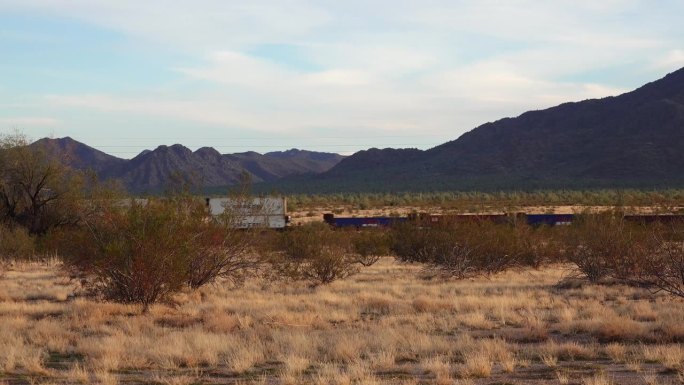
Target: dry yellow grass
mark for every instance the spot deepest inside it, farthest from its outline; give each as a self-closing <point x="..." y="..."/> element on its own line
<point x="598" y="379"/>
<point x="382" y="326"/>
<point x="616" y="352"/>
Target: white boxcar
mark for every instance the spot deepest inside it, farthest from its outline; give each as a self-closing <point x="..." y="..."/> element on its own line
<point x="269" y="212"/>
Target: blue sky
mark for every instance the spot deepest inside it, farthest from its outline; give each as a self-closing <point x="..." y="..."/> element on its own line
<point x="334" y="76"/>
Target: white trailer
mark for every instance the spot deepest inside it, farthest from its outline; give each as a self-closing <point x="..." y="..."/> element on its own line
<point x="267" y="212"/>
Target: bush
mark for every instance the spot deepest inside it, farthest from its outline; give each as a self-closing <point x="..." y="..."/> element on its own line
<point x="221" y="252"/>
<point x="15" y="243"/>
<point x="461" y="249"/>
<point x="662" y="265"/>
<point x="370" y="245"/>
<point x="643" y="253"/>
<point x="314" y="253"/>
<point x="410" y="243"/>
<point x="144" y="253"/>
<point x="605" y="245"/>
<point x="539" y="245"/>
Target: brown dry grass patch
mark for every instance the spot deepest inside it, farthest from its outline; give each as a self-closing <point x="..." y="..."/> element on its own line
<point x="383" y="326"/>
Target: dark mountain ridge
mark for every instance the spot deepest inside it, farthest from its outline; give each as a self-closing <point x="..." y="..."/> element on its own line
<point x="632" y="140"/>
<point x="77" y="155"/>
<point x="636" y="135"/>
<point x="153" y="170"/>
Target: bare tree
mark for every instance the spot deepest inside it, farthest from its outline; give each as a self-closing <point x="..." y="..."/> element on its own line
<point x="36" y="192"/>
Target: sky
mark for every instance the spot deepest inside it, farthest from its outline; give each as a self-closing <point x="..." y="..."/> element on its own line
<point x="334" y="76"/>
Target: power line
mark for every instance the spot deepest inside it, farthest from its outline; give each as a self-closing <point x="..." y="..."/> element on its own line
<point x="288" y="137"/>
<point x="285" y="146"/>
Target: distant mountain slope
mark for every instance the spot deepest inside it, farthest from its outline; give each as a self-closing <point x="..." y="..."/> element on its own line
<point x="308" y="161"/>
<point x="634" y="136"/>
<point x="153" y="170"/>
<point x="374" y="158"/>
<point x="77" y="155"/>
<point x="275" y="165"/>
<point x="632" y="140"/>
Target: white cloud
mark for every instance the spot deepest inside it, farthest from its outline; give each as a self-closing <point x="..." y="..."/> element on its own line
<point x="340" y="78"/>
<point x="671" y="60"/>
<point x="377" y="67"/>
<point x="28" y="121"/>
<point x="189" y="25"/>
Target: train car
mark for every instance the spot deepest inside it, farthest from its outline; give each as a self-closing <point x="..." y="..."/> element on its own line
<point x="549" y="219"/>
<point x="432" y="220"/>
<point x="362" y="222"/>
<point x="435" y="220"/>
<point x="423" y="219"/>
<point x="265" y="212"/>
<point x="651" y="218"/>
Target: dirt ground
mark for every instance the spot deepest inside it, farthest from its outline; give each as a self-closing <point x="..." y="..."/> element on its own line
<point x="386" y="325"/>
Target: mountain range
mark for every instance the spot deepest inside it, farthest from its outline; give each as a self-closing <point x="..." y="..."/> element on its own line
<point x="632" y="140"/>
<point x="153" y="170"/>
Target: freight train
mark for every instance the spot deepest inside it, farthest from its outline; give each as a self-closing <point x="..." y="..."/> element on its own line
<point x="437" y="219"/>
